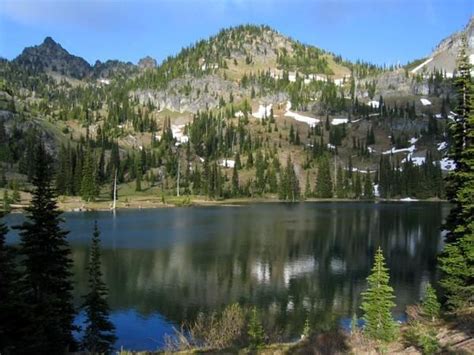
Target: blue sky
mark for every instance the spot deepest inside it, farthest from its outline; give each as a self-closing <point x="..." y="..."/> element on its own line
<point x="379" y="31"/>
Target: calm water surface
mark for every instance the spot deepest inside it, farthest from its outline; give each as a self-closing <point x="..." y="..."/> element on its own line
<point x="163" y="266"/>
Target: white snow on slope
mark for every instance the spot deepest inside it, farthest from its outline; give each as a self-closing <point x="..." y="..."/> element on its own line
<point x="178" y="134"/>
<point x="227" y="163"/>
<point x="338" y="121"/>
<point x="421" y="65"/>
<point x="415" y="160"/>
<point x="413" y="140"/>
<point x="374" y="104"/>
<point x="296" y="116"/>
<point x="408" y="199"/>
<point x="263" y="111"/>
<point x="410" y="149"/>
<point x="425" y="102"/>
<point x="442" y="146"/>
<point x="447" y="164"/>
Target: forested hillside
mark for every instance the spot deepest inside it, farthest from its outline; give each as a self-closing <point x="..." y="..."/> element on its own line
<point x="246" y="113"/>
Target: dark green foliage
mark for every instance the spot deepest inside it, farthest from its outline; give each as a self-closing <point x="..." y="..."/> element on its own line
<point x="89" y="179"/>
<point x="430" y="305"/>
<point x="368" y="188"/>
<point x="323" y="182"/>
<point x="255" y="330"/>
<point x="45" y="288"/>
<point x="289" y="185"/>
<point x="377" y="302"/>
<point x="8" y="294"/>
<point x="457" y="259"/>
<point x="99" y="334"/>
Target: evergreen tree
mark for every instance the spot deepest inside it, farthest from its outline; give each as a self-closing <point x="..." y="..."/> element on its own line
<point x="457" y="259"/>
<point x="99" y="334"/>
<point x="368" y="188"/>
<point x="138" y="174"/>
<point x="323" y="181"/>
<point x="430" y="305"/>
<point x="46" y="288"/>
<point x="6" y="201"/>
<point x="8" y="306"/>
<point x="235" y="182"/>
<point x="377" y="302"/>
<point x="255" y="330"/>
<point x="88" y="182"/>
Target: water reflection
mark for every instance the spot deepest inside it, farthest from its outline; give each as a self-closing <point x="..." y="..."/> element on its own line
<point x="289" y="259"/>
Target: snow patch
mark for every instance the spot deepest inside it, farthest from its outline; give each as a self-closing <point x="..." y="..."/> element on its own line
<point x="447" y="164"/>
<point x="413" y="140"/>
<point x="408" y="199"/>
<point x="177" y="131"/>
<point x="239" y="114"/>
<point x="338" y="121"/>
<point x="227" y="163"/>
<point x="410" y="149"/>
<point x="296" y="116"/>
<point x="442" y="145"/>
<point x="421" y="65"/>
<point x="374" y="104"/>
<point x="263" y="111"/>
<point x="425" y="102"/>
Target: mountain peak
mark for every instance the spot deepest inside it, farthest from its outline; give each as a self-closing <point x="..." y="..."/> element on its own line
<point x="49" y="41"/>
<point x="51" y="56"/>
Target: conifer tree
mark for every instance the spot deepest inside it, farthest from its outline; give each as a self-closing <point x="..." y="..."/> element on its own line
<point x="99" y="334"/>
<point x="8" y="311"/>
<point x="457" y="259"/>
<point x="255" y="330"/>
<point x="235" y="182"/>
<point x="88" y="183"/>
<point x="138" y="174"/>
<point x="46" y="287"/>
<point x="377" y="302"/>
<point x="430" y="304"/>
<point x="323" y="181"/>
<point x="368" y="188"/>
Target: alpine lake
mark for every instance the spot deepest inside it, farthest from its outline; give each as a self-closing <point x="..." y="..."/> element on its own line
<point x="292" y="261"/>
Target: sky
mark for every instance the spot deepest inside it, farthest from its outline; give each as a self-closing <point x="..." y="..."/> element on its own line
<point x="378" y="31"/>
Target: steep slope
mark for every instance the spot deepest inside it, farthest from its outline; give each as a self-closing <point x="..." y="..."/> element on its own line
<point x="445" y="55"/>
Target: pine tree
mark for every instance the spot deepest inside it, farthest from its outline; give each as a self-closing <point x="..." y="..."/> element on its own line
<point x="430" y="305"/>
<point x="368" y="188"/>
<point x="457" y="258"/>
<point x="8" y="309"/>
<point x="323" y="181"/>
<point x="99" y="334"/>
<point x="46" y="287"/>
<point x="377" y="302"/>
<point x="255" y="330"/>
<point x="88" y="183"/>
<point x="235" y="182"/>
<point x="138" y="174"/>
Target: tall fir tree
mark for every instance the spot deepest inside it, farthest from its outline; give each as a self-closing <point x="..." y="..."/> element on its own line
<point x="99" y="334"/>
<point x="377" y="302"/>
<point x="88" y="182"/>
<point x="323" y="181"/>
<point x="8" y="305"/>
<point x="457" y="258"/>
<point x="45" y="287"/>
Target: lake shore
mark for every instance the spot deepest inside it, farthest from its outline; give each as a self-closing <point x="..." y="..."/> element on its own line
<point x="71" y="204"/>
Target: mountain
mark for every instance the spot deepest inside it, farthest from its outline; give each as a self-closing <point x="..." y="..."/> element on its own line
<point x="250" y="97"/>
<point x="51" y="57"/>
<point x="445" y="55"/>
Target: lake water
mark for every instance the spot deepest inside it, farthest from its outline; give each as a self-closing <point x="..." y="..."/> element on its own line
<point x="163" y="266"/>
